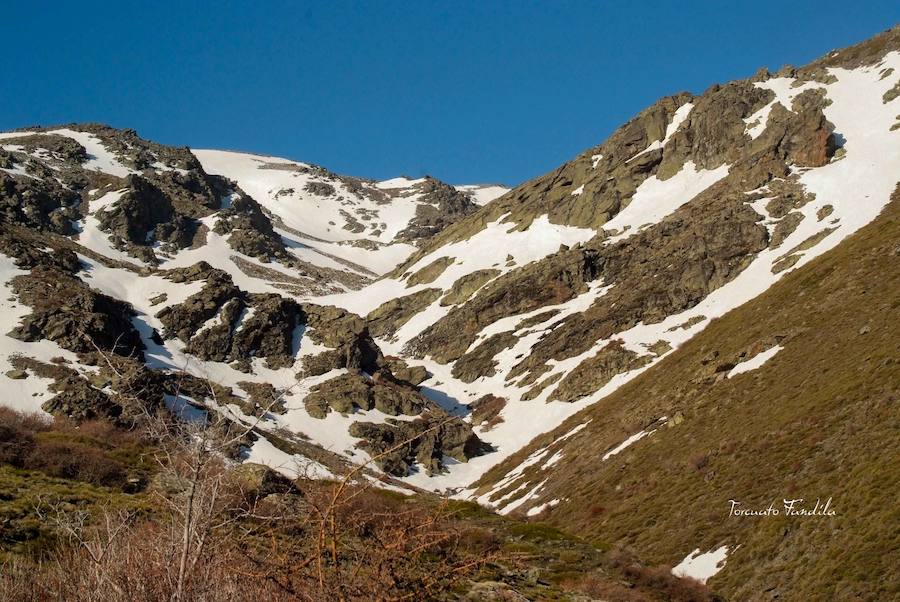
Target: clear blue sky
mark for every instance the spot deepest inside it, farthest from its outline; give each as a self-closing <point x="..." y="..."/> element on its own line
<point x="466" y="91"/>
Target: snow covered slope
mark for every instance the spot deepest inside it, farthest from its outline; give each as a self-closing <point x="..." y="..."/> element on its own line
<point x="190" y="273"/>
<point x="369" y="308"/>
<point x="359" y="221"/>
<point x="556" y="316"/>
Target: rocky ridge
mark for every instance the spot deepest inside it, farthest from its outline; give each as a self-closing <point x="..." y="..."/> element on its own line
<point x="243" y="270"/>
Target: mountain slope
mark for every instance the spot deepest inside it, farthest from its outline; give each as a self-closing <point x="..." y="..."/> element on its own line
<point x="374" y="225"/>
<point x="791" y="396"/>
<point x="700" y="309"/>
<point x="115" y="245"/>
<point x="572" y="284"/>
<point x="349" y="315"/>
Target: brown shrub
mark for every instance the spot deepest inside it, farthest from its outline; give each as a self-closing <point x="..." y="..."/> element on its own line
<point x="600" y="587"/>
<point x="699" y="461"/>
<point x="15" y="445"/>
<point x="71" y="460"/>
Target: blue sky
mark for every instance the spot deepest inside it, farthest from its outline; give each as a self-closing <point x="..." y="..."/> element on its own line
<point x="466" y="91"/>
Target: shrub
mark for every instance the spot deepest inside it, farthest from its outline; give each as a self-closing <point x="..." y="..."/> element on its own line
<point x="70" y="460"/>
<point x="15" y="445"/>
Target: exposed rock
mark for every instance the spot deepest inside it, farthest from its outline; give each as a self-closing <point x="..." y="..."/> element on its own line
<point x="594" y="372"/>
<point x="824" y="212"/>
<point x="441" y="205"/>
<point x="537" y="389"/>
<point x="414" y="375"/>
<point x="349" y="392"/>
<point x="467" y="285"/>
<point x="73" y="315"/>
<point x="185" y="319"/>
<point x="486" y="410"/>
<point x="144" y="215"/>
<point x="347" y="334"/>
<point x="660" y="347"/>
<point x="789" y="194"/>
<point x="430" y="272"/>
<point x="891" y="94"/>
<point x="319" y="188"/>
<point x="388" y="317"/>
<point x="395" y="398"/>
<point x="39" y="204"/>
<point x="251" y="230"/>
<point x="536" y="319"/>
<point x="480" y="361"/>
<point x="343" y="394"/>
<point x="214" y="343"/>
<point x="800" y="134"/>
<point x="397" y="445"/>
<point x="268" y="332"/>
<point x="78" y="400"/>
<point x="687" y="323"/>
<point x="784" y="228"/>
<point x="264" y="397"/>
<point x="30" y="250"/>
<point x="549" y="282"/>
<point x="655" y="273"/>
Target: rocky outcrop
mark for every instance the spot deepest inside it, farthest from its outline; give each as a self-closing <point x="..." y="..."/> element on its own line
<point x="350" y="392"/>
<point x="440" y="205"/>
<point x="486" y="410"/>
<point x="800" y="134"/>
<point x="268" y="332"/>
<point x="73" y="315"/>
<point x="162" y="207"/>
<point x="251" y="231"/>
<point x="594" y="372"/>
<point x="38" y="204"/>
<point x="388" y="317"/>
<point x="430" y="272"/>
<point x="78" y="400"/>
<point x="343" y="394"/>
<point x="348" y="337"/>
<point x="480" y="361"/>
<point x="398" y="445"/>
<point x="186" y="318"/>
<point x="549" y="282"/>
<point x="223" y="323"/>
<point x="30" y="250"/>
<point x="414" y="375"/>
<point x="467" y="285"/>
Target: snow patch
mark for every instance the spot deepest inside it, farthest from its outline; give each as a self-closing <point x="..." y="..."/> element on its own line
<point x="754" y="362"/>
<point x="655" y="199"/>
<point x="702" y="566"/>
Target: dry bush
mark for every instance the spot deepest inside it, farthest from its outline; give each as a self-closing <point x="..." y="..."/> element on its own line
<point x="69" y="460"/>
<point x="600" y="587"/>
<point x="660" y="579"/>
<point x="60" y="448"/>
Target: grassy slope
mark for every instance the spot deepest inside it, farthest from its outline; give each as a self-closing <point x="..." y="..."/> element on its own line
<point x="820" y="419"/>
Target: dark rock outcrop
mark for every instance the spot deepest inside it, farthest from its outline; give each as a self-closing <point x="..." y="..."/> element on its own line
<point x="73" y="315"/>
<point x="399" y="445"/>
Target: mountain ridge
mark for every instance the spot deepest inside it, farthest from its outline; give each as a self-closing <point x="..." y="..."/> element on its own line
<point x="481" y="331"/>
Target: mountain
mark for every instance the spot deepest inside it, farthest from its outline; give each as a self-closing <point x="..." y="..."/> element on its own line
<point x="698" y="312"/>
